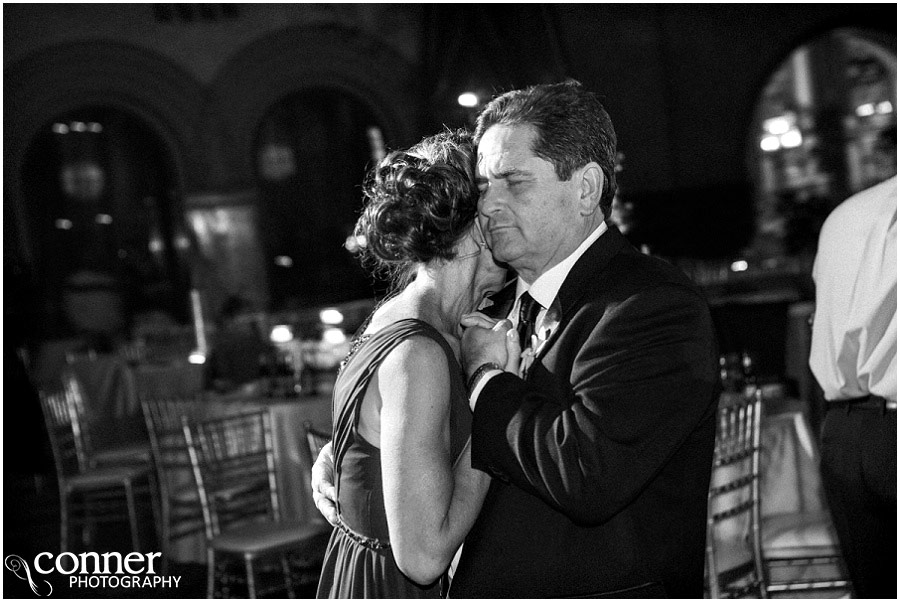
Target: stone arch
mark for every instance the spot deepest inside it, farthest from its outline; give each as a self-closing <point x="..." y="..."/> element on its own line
<point x="303" y="58"/>
<point x="880" y="43"/>
<point x="71" y="76"/>
<point x="782" y="47"/>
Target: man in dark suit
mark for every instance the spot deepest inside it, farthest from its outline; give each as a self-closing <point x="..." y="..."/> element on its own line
<point x="600" y="437"/>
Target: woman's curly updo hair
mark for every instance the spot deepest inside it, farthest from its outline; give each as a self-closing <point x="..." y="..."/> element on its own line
<point x="417" y="205"/>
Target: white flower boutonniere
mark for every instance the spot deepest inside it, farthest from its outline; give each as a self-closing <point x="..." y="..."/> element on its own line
<point x="527" y="357"/>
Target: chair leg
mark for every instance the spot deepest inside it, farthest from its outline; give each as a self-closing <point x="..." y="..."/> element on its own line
<point x="88" y="525"/>
<point x="165" y="535"/>
<point x="251" y="581"/>
<point x="288" y="580"/>
<point x="155" y="503"/>
<point x="132" y="517"/>
<point x="63" y="522"/>
<point x="210" y="573"/>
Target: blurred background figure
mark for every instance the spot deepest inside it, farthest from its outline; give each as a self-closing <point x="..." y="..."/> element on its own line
<point x="854" y="359"/>
<point x="239" y="354"/>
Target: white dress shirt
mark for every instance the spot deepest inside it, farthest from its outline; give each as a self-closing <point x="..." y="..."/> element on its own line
<point x="544" y="290"/>
<point x="854" y="338"/>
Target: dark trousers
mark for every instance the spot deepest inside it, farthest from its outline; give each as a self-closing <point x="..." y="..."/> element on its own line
<point x="859" y="473"/>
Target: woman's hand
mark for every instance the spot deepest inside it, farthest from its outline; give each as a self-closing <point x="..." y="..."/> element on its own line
<point x="322" y="481"/>
<point x="513" y="346"/>
<point x="513" y="351"/>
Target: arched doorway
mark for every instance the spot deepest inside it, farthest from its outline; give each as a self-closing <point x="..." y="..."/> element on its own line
<point x="103" y="207"/>
<point x="824" y="128"/>
<point x="312" y="151"/>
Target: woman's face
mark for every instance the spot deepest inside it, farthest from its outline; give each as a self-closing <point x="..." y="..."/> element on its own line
<point x="487" y="276"/>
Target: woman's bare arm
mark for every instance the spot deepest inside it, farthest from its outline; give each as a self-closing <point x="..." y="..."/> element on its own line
<point x="431" y="504"/>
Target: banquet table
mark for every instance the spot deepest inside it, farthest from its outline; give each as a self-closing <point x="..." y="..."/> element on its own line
<point x="111" y="399"/>
<point x="113" y="388"/>
<point x="293" y="461"/>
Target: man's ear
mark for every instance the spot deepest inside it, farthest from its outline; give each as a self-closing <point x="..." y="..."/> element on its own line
<point x="591" y="188"/>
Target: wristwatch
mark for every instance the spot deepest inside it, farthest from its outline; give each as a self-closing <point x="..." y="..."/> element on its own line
<point x="480" y="372"/>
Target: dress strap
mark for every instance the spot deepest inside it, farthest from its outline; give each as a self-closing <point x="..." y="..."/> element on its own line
<point x="372" y="350"/>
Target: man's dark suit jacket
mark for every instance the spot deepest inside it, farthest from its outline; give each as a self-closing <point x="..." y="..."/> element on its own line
<point x="601" y="457"/>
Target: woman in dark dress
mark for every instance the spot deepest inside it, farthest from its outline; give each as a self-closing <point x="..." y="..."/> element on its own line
<point x="406" y="492"/>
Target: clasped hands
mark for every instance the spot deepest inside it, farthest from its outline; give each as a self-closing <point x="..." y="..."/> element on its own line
<point x="484" y="340"/>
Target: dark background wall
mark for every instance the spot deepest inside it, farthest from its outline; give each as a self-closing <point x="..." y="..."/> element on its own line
<point x="681" y="82"/>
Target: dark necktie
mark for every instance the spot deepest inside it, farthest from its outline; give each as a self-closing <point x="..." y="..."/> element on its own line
<point x="528" y="312"/>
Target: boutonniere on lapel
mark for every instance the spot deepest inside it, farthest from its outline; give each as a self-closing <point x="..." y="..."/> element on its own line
<point x="538" y="341"/>
<point x="527" y="357"/>
<point x="548" y="327"/>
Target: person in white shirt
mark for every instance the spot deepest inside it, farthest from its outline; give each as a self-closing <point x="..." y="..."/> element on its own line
<point x="854" y="359"/>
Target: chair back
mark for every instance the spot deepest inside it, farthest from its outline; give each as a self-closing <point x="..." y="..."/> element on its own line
<point x="68" y="454"/>
<point x="234" y="469"/>
<point x="734" y="544"/>
<point x="315" y="439"/>
<point x="168" y="447"/>
<point x="75" y="396"/>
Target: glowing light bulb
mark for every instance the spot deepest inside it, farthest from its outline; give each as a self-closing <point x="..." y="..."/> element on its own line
<point x="777" y="125"/>
<point x="281" y="334"/>
<point x="468" y="99"/>
<point x="791" y="139"/>
<point x="865" y="110"/>
<point x="334" y="336"/>
<point x="770" y="143"/>
<point x="331" y="316"/>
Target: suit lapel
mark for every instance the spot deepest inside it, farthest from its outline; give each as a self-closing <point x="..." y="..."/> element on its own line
<point x="586" y="270"/>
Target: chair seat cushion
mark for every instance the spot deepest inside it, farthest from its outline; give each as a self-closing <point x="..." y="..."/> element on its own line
<point x="101" y="478"/>
<point x="259" y="538"/>
<point x="798" y="534"/>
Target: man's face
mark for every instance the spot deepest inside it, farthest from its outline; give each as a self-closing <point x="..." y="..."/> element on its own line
<point x="531" y="216"/>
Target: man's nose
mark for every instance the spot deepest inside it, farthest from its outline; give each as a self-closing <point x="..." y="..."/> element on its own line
<point x="490" y="201"/>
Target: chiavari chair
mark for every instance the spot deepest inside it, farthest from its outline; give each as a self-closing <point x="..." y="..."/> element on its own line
<point x="180" y="512"/>
<point x="234" y="470"/>
<point x="734" y="559"/>
<point x="90" y="494"/>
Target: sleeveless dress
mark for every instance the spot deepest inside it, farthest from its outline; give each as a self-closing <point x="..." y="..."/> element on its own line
<point x="359" y="562"/>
